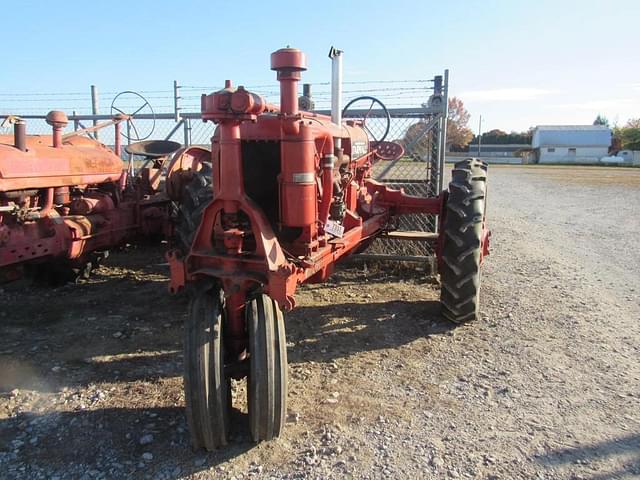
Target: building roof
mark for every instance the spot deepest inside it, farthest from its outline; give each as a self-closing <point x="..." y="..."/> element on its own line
<point x="571" y="136"/>
<point x="571" y="127"/>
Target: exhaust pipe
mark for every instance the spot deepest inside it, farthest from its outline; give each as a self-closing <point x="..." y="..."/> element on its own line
<point x="336" y="86"/>
<point x="20" y="135"/>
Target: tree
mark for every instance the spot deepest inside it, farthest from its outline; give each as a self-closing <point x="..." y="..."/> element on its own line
<point x="627" y="137"/>
<point x="500" y="137"/>
<point x="601" y="120"/>
<point x="417" y="140"/>
<point x="630" y="138"/>
<point x="458" y="133"/>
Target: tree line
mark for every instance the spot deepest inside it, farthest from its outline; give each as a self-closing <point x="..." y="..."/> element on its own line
<point x="460" y="136"/>
<point x="626" y="137"/>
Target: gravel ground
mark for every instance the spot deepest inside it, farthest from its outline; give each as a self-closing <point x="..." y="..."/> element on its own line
<point x="545" y="385"/>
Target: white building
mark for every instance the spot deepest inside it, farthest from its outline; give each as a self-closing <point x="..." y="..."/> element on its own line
<point x="570" y="143"/>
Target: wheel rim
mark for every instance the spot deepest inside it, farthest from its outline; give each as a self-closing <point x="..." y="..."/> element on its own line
<point x="267" y="381"/>
<point x="206" y="387"/>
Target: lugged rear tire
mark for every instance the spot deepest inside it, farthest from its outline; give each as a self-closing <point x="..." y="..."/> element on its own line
<point x="465" y="211"/>
<point x="188" y="213"/>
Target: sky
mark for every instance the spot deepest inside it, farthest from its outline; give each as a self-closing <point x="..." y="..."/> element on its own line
<point x="518" y="64"/>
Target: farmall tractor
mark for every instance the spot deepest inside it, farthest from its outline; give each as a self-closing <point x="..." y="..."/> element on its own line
<point x="285" y="196"/>
<point x="65" y="200"/>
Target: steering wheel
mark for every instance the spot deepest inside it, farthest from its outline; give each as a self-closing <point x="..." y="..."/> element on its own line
<point x="365" y="114"/>
<point x="126" y="99"/>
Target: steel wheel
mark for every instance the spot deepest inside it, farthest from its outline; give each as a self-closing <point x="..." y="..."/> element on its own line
<point x="267" y="382"/>
<point x="207" y="390"/>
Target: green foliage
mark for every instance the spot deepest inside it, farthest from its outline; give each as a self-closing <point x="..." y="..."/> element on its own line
<point x="630" y="138"/>
<point x="601" y="120"/>
<point x="500" y="137"/>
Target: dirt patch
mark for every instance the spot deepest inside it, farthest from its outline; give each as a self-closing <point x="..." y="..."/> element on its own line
<point x="581" y="175"/>
<point x="544" y="385"/>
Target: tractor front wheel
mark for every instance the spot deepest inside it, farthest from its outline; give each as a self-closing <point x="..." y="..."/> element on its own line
<point x="267" y="382"/>
<point x="207" y="389"/>
<point x="464" y="223"/>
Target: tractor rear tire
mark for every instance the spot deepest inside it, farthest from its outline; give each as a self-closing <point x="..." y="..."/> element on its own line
<point x="465" y="211"/>
<point x="207" y="389"/>
<point x="267" y="382"/>
<point x="188" y="213"/>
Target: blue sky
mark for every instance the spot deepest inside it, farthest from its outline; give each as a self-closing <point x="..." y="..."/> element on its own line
<point x="516" y="63"/>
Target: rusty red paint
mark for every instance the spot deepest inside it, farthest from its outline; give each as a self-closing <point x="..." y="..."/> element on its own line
<point x="221" y="249"/>
<point x="63" y="197"/>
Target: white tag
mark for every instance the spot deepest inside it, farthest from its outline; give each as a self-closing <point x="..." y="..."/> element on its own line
<point x="334" y="228"/>
<point x="308" y="177"/>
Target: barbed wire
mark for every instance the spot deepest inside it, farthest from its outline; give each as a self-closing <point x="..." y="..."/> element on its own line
<point x="406" y="92"/>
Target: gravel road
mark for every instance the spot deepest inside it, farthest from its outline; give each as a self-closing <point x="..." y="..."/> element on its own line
<point x="545" y="385"/>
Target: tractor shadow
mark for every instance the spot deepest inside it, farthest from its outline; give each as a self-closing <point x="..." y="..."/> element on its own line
<point x="626" y="449"/>
<point x="126" y="328"/>
<point x="81" y="346"/>
<point x="328" y="332"/>
<point x="108" y="440"/>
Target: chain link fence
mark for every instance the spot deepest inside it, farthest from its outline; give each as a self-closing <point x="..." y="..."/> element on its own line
<point x="417" y="172"/>
<point x="418" y="129"/>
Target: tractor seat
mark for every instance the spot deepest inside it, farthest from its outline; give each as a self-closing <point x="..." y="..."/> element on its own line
<point x="153" y="148"/>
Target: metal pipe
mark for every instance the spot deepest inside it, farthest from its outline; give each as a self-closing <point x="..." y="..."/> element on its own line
<point x="336" y="85"/>
<point x="394" y="112"/>
<point x="58" y="121"/>
<point x="176" y="108"/>
<point x="48" y="205"/>
<point x="20" y="135"/>
<point x="94" y="107"/>
<point x="479" y="135"/>
<point x="443" y="132"/>
<point x="187" y="131"/>
<point x="328" y="163"/>
<point x="289" y="96"/>
<point x="57" y="137"/>
<point x="118" y="141"/>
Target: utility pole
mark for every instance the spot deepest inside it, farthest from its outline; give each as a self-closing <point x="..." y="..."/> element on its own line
<point x="479" y="135"/>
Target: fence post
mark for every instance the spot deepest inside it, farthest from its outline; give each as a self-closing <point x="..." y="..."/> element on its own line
<point x="443" y="131"/>
<point x="176" y="108"/>
<point x="187" y="132"/>
<point x="94" y="107"/>
<point x="76" y="122"/>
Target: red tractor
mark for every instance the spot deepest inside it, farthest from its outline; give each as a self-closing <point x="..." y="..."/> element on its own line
<point x="65" y="200"/>
<point x="285" y="196"/>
